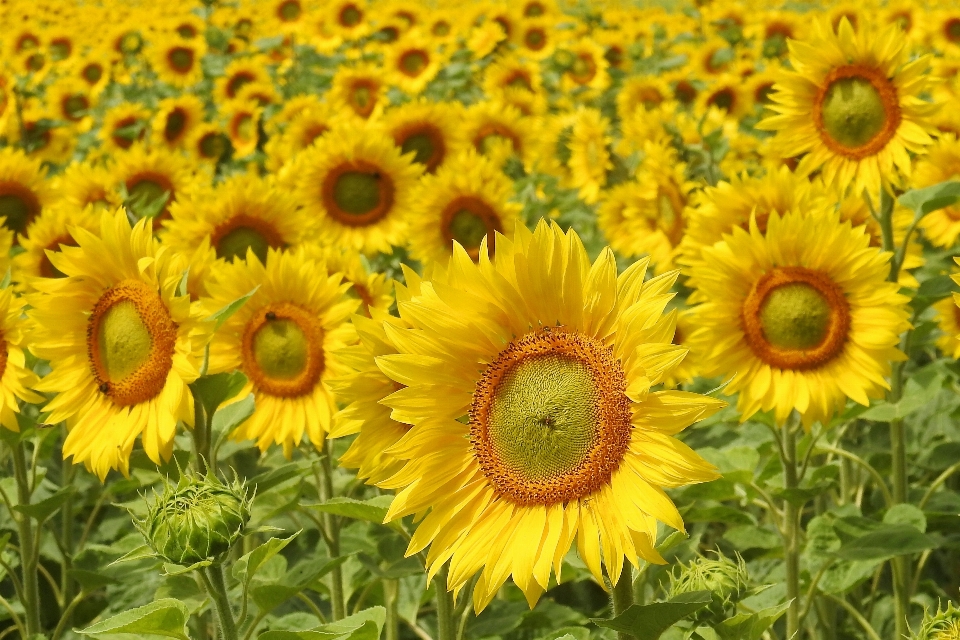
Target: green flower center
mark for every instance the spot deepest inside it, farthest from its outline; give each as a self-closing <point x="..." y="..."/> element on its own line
<point x="213" y="145"/>
<point x="795" y="316"/>
<point x="181" y="59"/>
<point x="124" y="340"/>
<point x="234" y="244"/>
<point x="176" y="121"/>
<point x="535" y="39"/>
<point x="468" y="228"/>
<point x="93" y="72"/>
<point x="413" y="62"/>
<point x="361" y="96"/>
<point x="350" y="16"/>
<point x="147" y="197"/>
<point x="953" y="30"/>
<point x="280" y="349"/>
<point x="290" y="10"/>
<point x="18" y="211"/>
<point x="74" y="106"/>
<point x="853" y="111"/>
<point x="543" y="418"/>
<point x="357" y="192"/>
<point x="59" y="50"/>
<point x="421" y="144"/>
<point x="441" y="28"/>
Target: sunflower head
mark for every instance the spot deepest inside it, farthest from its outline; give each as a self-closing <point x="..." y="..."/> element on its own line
<point x="725" y="579"/>
<point x="199" y="518"/>
<point x="942" y="625"/>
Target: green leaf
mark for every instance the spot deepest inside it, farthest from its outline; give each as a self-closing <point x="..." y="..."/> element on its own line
<point x="752" y="537"/>
<point x="212" y="391"/>
<point x="919" y="391"/>
<point x="887" y="541"/>
<point x="143" y="552"/>
<point x="365" y="625"/>
<point x="263" y="482"/>
<point x="45" y="508"/>
<point x="568" y="633"/>
<point x="270" y="596"/>
<point x="651" y="620"/>
<point x="938" y="196"/>
<point x="372" y="510"/>
<point x="224" y="314"/>
<point x="166" y="617"/>
<point x="245" y="568"/>
<point x="90" y="580"/>
<point x="170" y="569"/>
<point x="231" y="416"/>
<point x="750" y="626"/>
<point x="906" y="514"/>
<point x="184" y="279"/>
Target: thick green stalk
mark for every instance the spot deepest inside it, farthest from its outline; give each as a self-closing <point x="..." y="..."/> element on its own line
<point x="201" y="437"/>
<point x="217" y="590"/>
<point x="898" y="439"/>
<point x="791" y="528"/>
<point x="332" y="525"/>
<point x="446" y="624"/>
<point x="390" y="596"/>
<point x="28" y="554"/>
<point x="622" y="596"/>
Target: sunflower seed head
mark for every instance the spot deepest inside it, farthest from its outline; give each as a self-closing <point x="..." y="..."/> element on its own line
<point x="199" y="518"/>
<point x="943" y="625"/>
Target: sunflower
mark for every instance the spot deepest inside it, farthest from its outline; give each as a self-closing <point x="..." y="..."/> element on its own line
<point x="412" y="62"/>
<point x="373" y="289"/>
<point x="176" y="119"/>
<point x="285" y="339"/>
<point x="93" y="69"/>
<point x="726" y="92"/>
<point x="16" y="379"/>
<point x="151" y="180"/>
<point x="587" y="71"/>
<point x="485" y="38"/>
<point x="177" y="61"/>
<point x="46" y="233"/>
<point x="123" y="125"/>
<point x="464" y="202"/>
<point x="800" y="318"/>
<point x="349" y="18"/>
<point x="24" y="190"/>
<point x="858" y="213"/>
<point x="948" y="321"/>
<point x="358" y="188"/>
<point x="243" y="126"/>
<point x="853" y="106"/>
<point x="86" y="183"/>
<point x="72" y="103"/>
<point x="536" y="39"/>
<point x="640" y="94"/>
<point x="301" y="132"/>
<point x="238" y="73"/>
<point x="510" y="72"/>
<point x="54" y="145"/>
<point x="497" y="130"/>
<point x="425" y="129"/>
<point x="359" y="88"/>
<point x="122" y="345"/>
<point x="243" y="213"/>
<point x="208" y="143"/>
<point x="533" y="416"/>
<point x="575" y="148"/>
<point x="941" y="227"/>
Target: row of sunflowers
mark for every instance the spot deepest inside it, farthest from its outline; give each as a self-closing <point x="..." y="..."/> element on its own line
<point x="476" y="280"/>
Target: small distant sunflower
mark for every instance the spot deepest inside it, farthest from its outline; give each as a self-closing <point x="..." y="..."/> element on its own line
<point x="536" y="39"/>
<point x="17" y="380"/>
<point x="466" y="201"/>
<point x="941" y="227"/>
<point x="208" y="143"/>
<point x="426" y="129"/>
<point x="177" y="61"/>
<point x="361" y="89"/>
<point x="243" y="126"/>
<point x="412" y="62"/>
<point x="853" y="106"/>
<point x="46" y="233"/>
<point x="301" y="132"/>
<point x="24" y="190"/>
<point x="122" y="345"/>
<point x="497" y="130"/>
<point x="532" y="414"/>
<point x="485" y="38"/>
<point x="72" y="102"/>
<point x="146" y="176"/>
<point x="511" y="72"/>
<point x="93" y="69"/>
<point x="123" y="126"/>
<point x="800" y="318"/>
<point x="244" y="212"/>
<point x="176" y="119"/>
<point x="358" y="189"/>
<point x="285" y="339"/>
<point x="587" y="71"/>
<point x="87" y="183"/>
<point x="640" y="94"/>
<point x="728" y="93"/>
<point x="349" y="18"/>
<point x="239" y="73"/>
<point x="372" y="288"/>
<point x="575" y="148"/>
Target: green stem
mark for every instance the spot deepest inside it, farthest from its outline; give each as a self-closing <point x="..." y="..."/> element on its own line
<point x="66" y="537"/>
<point x="201" y="436"/>
<point x="332" y="526"/>
<point x="391" y="588"/>
<point x="28" y="555"/>
<point x="446" y="625"/>
<point x="898" y="437"/>
<point x="217" y="589"/>
<point x="623" y="596"/>
<point x="791" y="527"/>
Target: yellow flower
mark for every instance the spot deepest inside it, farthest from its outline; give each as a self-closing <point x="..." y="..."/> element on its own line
<point x="46" y="233"/>
<point x="940" y="227"/>
<point x="285" y="339"/>
<point x="176" y="119"/>
<point x="801" y="318"/>
<point x="24" y="191"/>
<point x="360" y="89"/>
<point x="425" y="129"/>
<point x="852" y="106"/>
<point x="122" y="345"/>
<point x="16" y="379"/>
<point x="149" y="176"/>
<point x="527" y="384"/>
<point x="177" y="61"/>
<point x="412" y="62"/>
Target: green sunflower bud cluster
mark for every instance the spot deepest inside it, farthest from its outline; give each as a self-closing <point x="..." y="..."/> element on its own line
<point x="198" y="519"/>
<point x="943" y="625"/>
<point x="726" y="579"/>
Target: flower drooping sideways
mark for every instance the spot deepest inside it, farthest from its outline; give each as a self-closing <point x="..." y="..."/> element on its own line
<point x="198" y="519"/>
<point x="283" y="339"/>
<point x="801" y="317"/>
<point x="527" y="380"/>
<point x="122" y="343"/>
<point x="853" y="106"/>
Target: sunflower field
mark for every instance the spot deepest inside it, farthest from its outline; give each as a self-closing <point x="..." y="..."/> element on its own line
<point x="492" y="320"/>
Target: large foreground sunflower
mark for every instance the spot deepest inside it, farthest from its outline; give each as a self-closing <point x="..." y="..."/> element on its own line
<point x="284" y="340"/>
<point x="800" y="318"/>
<point x="122" y="345"/>
<point x="853" y="106"/>
<point x="527" y="382"/>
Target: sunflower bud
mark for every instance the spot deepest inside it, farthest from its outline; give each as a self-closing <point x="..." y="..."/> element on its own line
<point x="943" y="625"/>
<point x="725" y="579"/>
<point x="198" y="519"/>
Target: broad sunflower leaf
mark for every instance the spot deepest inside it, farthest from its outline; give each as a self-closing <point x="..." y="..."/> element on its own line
<point x="245" y="568"/>
<point x="214" y="390"/>
<point x="228" y="418"/>
<point x="651" y="620"/>
<point x="372" y="510"/>
<point x="928" y="199"/>
<point x="45" y="508"/>
<point x="750" y="626"/>
<point x="887" y="541"/>
<point x="166" y="617"/>
<point x="365" y="625"/>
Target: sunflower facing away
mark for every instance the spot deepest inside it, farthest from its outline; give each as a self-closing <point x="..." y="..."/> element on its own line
<point x="527" y="381"/>
<point x="853" y="106"/>
<point x="284" y="340"/>
<point x="122" y="345"/>
<point x="801" y="317"/>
